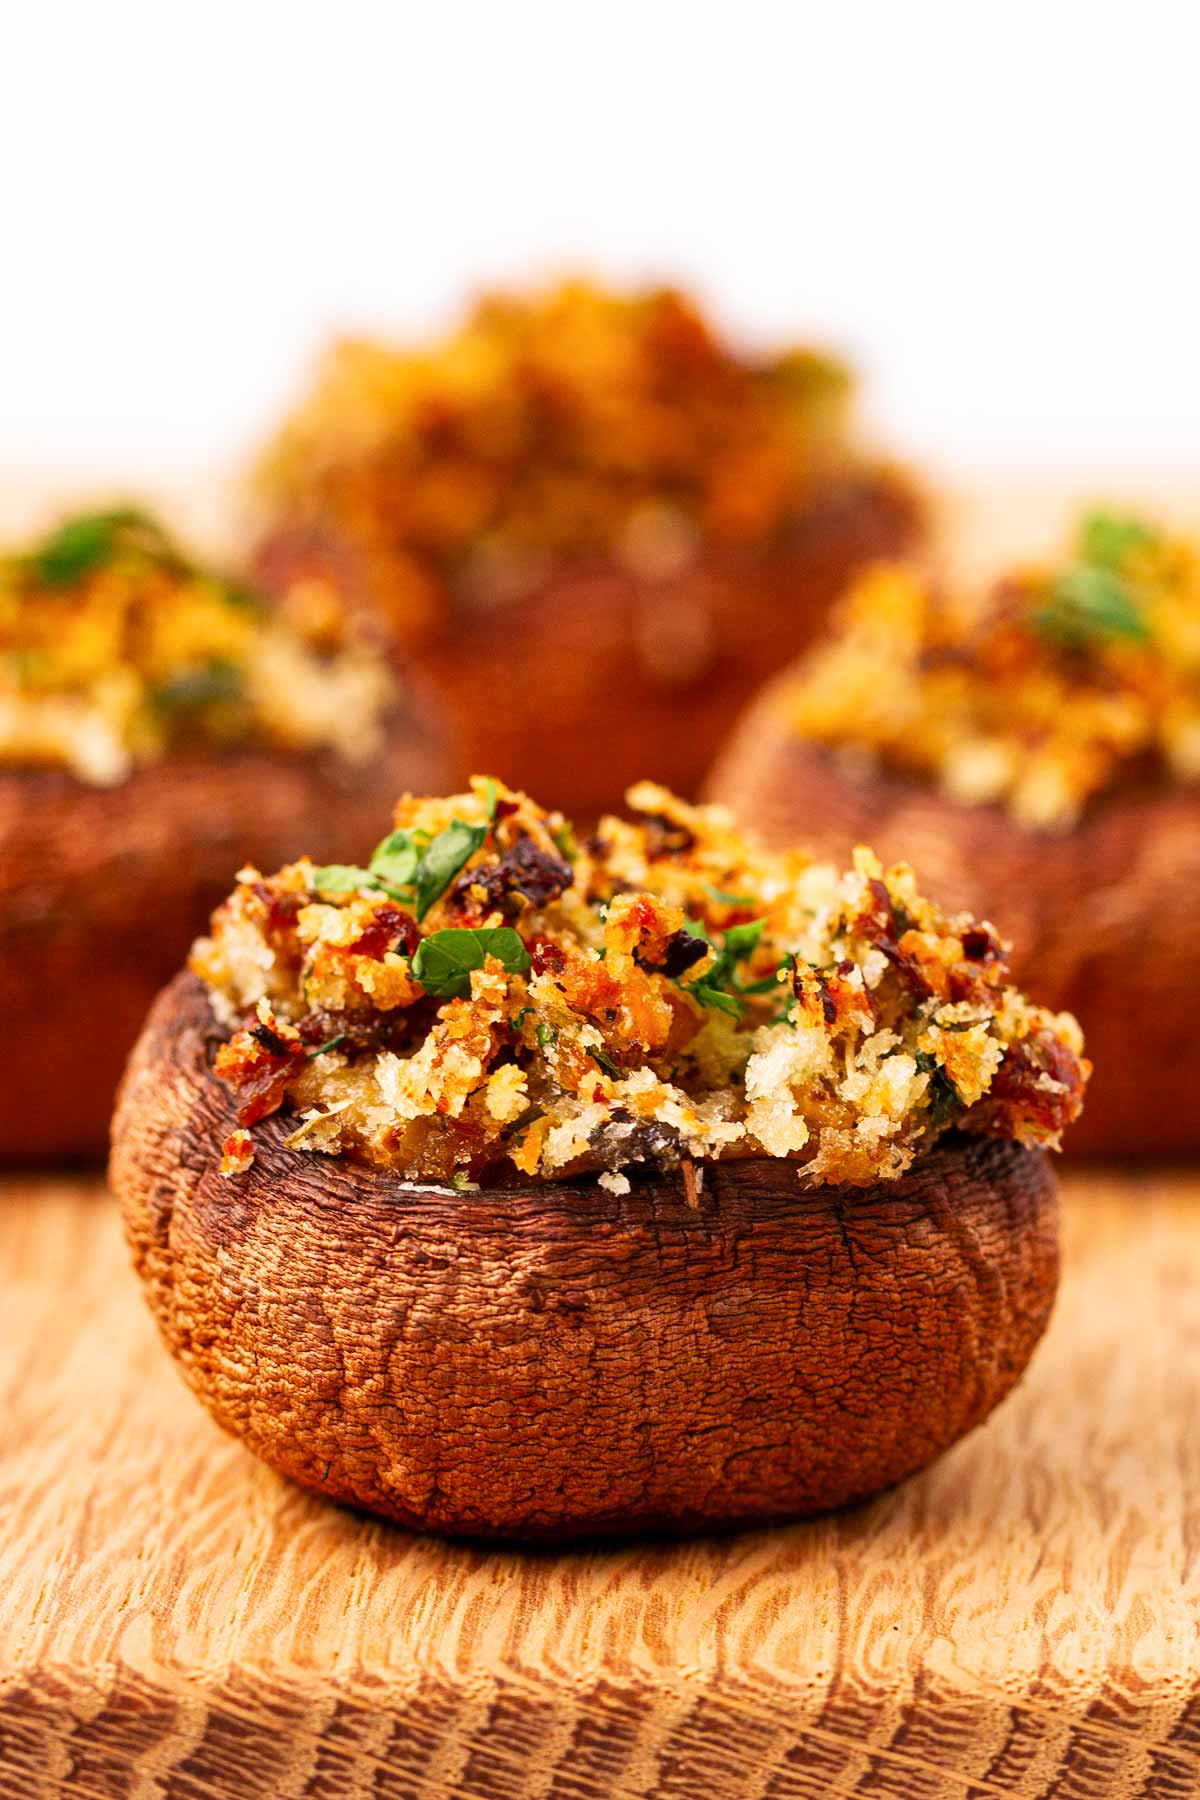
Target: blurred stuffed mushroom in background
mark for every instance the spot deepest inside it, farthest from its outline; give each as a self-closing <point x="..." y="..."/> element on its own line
<point x="1037" y="753"/>
<point x="157" y="722"/>
<point x="594" y="526"/>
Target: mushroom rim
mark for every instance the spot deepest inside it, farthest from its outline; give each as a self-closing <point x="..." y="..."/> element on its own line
<point x="766" y="1187"/>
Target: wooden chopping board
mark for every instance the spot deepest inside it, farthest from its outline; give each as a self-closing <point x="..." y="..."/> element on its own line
<point x="1022" y="1619"/>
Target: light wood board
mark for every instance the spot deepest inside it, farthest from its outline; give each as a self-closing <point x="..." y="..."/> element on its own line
<point x="1022" y="1619"/>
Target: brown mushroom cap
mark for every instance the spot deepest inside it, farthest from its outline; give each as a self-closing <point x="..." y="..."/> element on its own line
<point x="561" y="1361"/>
<point x="1102" y="918"/>
<point x="102" y="891"/>
<point x="593" y="679"/>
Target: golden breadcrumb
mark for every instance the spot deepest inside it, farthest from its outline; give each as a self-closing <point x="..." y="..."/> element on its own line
<point x="560" y="423"/>
<point x="1065" y="683"/>
<point x="487" y="996"/>
<point x="114" y="649"/>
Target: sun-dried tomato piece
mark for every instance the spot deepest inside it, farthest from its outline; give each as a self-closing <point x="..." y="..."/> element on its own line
<point x="391" y="928"/>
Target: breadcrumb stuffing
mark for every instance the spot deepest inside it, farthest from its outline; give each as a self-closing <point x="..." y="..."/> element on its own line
<point x="559" y="423"/>
<point x="484" y="992"/>
<point x="115" y="649"/>
<point x="1063" y="683"/>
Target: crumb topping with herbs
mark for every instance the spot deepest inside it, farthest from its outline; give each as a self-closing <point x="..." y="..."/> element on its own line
<point x="561" y="423"/>
<point x="1067" y="682"/>
<point x="115" y="649"/>
<point x="486" y="998"/>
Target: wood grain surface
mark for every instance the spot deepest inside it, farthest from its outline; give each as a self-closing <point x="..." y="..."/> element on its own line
<point x="1021" y="1619"/>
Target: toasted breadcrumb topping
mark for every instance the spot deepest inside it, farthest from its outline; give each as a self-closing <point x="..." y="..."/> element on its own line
<point x="559" y="423"/>
<point x="115" y="649"/>
<point x="486" y="997"/>
<point x="1064" y="683"/>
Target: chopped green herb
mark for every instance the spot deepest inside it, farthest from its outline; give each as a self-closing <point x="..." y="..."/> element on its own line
<point x="216" y="684"/>
<point x="491" y="795"/>
<point x="725" y="899"/>
<point x="1105" y="539"/>
<point x="1087" y="604"/>
<point x="719" y="988"/>
<point x="343" y="878"/>
<point x="445" y="959"/>
<point x="610" y="1066"/>
<point x="546" y="1035"/>
<point x="395" y="860"/>
<point x="944" y="1097"/>
<point x="564" y="839"/>
<point x="449" y="852"/>
<point x="330" y="1044"/>
<point x="89" y="541"/>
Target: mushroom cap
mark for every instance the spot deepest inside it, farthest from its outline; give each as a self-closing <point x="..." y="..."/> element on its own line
<point x="591" y="677"/>
<point x="102" y="891"/>
<point x="1101" y="917"/>
<point x="560" y="1362"/>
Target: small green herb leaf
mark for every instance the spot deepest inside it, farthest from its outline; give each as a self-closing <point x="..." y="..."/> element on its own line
<point x="445" y="959"/>
<point x="546" y="1035"/>
<point x="610" y="1066"/>
<point x="449" y="852"/>
<point x="1105" y="539"/>
<point x="342" y="878"/>
<point x="215" y="684"/>
<point x="719" y="987"/>
<point x="1087" y="604"/>
<point x="395" y="860"/>
<point x="90" y="540"/>
<point x="330" y="1044"/>
<point x="723" y="898"/>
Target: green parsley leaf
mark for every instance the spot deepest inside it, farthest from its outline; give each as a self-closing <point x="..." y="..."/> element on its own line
<point x="1105" y="539"/>
<point x="1087" y="604"/>
<point x="449" y="852"/>
<point x="610" y="1066"/>
<point x="545" y="1035"/>
<point x="719" y="987"/>
<point x="342" y="878"/>
<point x="89" y="541"/>
<point x="445" y="959"/>
<point x="217" y="683"/>
<point x="723" y="898"/>
<point x="564" y="841"/>
<point x="395" y="860"/>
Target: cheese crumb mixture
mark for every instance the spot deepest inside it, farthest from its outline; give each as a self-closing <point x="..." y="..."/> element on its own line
<point x="1065" y="683"/>
<point x="560" y="423"/>
<point x="487" y="998"/>
<point x="115" y="650"/>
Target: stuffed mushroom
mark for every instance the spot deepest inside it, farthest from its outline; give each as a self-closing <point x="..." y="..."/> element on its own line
<point x="512" y="1186"/>
<point x="591" y="524"/>
<point x="158" y="725"/>
<point x="1038" y="753"/>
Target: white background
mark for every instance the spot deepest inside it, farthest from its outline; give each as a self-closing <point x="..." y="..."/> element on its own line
<point x="993" y="209"/>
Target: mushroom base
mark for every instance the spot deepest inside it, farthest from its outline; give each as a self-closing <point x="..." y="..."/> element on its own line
<point x="564" y="1362"/>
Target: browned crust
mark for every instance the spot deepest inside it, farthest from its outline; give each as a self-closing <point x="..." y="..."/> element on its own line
<point x="564" y="1362"/>
<point x="593" y="680"/>
<point x="102" y="891"/>
<point x="1102" y="919"/>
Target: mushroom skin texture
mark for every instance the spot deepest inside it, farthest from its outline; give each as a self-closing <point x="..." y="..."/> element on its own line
<point x="563" y="1362"/>
<point x="623" y="677"/>
<point x="102" y="891"/>
<point x="1101" y="917"/>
